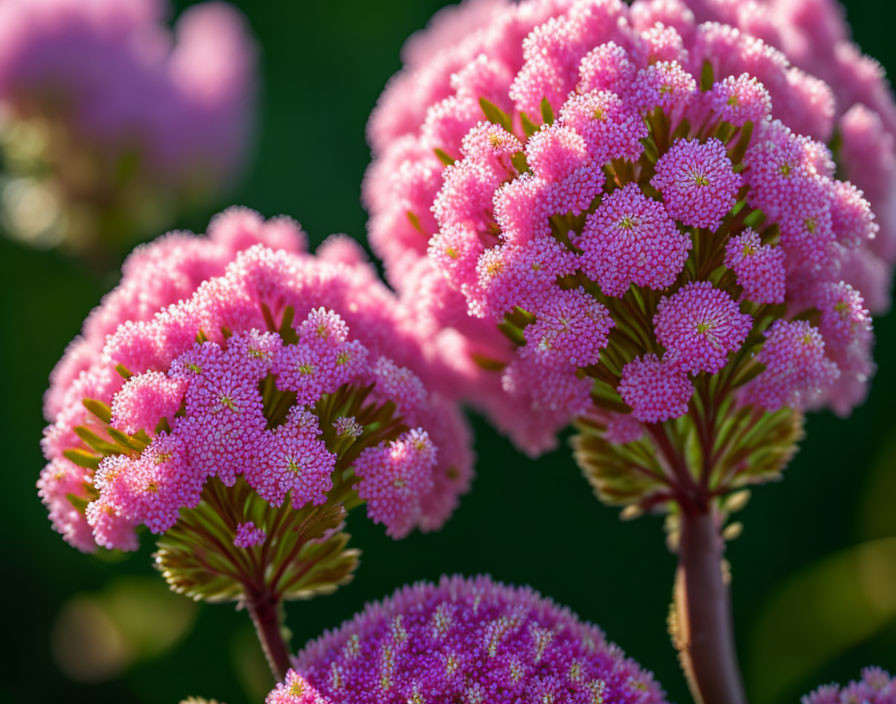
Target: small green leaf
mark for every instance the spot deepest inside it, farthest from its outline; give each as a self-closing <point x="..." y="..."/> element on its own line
<point x="123" y="371"/>
<point x="529" y="127"/>
<point x="496" y="115"/>
<point x="125" y="440"/>
<point x="79" y="502"/>
<point x="99" y="409"/>
<point x="519" y="161"/>
<point x="737" y="153"/>
<point x="706" y="76"/>
<point x="513" y="333"/>
<point x="444" y="157"/>
<point x="755" y="218"/>
<point x="483" y="362"/>
<point x="547" y="113"/>
<point x="286" y="331"/>
<point x="95" y="442"/>
<point x="415" y="221"/>
<point x="650" y="150"/>
<point x="82" y="458"/>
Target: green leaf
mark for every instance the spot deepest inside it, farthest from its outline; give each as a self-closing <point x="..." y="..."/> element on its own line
<point x="125" y="440"/>
<point x="79" y="502"/>
<point x="496" y="115"/>
<point x="444" y="157"/>
<point x="123" y="371"/>
<point x="483" y="362"/>
<point x="529" y="127"/>
<point x="99" y="409"/>
<point x="755" y="218"/>
<point x="513" y="333"/>
<point x="706" y="76"/>
<point x="415" y="221"/>
<point x="547" y="113"/>
<point x="305" y="548"/>
<point x="650" y="150"/>
<point x="519" y="161"/>
<point x="82" y="458"/>
<point x="286" y="331"/>
<point x="740" y="148"/>
<point x="621" y="475"/>
<point x="95" y="442"/>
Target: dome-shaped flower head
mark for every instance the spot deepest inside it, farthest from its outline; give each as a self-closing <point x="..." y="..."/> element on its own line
<point x="470" y="640"/>
<point x="875" y="687"/>
<point x="238" y="402"/>
<point x="670" y="164"/>
<point x="110" y="119"/>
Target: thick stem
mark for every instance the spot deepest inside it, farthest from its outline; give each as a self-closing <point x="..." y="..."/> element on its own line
<point x="705" y="626"/>
<point x="263" y="609"/>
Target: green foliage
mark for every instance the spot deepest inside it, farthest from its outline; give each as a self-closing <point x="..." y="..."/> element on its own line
<point x="496" y="115"/>
<point x="303" y="555"/>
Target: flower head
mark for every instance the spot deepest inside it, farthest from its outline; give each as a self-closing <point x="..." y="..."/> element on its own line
<point x="104" y="95"/>
<point x="667" y="161"/>
<point x="252" y="379"/>
<point x="464" y="640"/>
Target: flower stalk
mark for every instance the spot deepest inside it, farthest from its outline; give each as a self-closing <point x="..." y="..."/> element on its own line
<point x="705" y="633"/>
<point x="264" y="610"/>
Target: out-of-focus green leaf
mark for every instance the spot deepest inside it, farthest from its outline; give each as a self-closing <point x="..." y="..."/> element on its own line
<point x="821" y="612"/>
<point x="97" y="635"/>
<point x="877" y="517"/>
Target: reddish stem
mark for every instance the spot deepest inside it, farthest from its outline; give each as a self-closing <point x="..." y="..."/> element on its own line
<point x="263" y="609"/>
<point x="706" y="637"/>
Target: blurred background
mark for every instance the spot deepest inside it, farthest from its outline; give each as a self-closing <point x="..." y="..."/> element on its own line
<point x="814" y="571"/>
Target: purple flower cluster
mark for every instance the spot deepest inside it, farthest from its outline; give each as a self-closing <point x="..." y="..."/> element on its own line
<point x="224" y="358"/>
<point x="465" y="640"/>
<point x="875" y="687"/>
<point x="636" y="200"/>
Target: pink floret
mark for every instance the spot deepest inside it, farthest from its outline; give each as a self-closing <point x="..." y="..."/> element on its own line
<point x="759" y="267"/>
<point x="248" y="535"/>
<point x="394" y="477"/>
<point x="796" y="368"/>
<point x="699" y="326"/>
<point x="631" y="239"/>
<point x="697" y="182"/>
<point x="655" y="390"/>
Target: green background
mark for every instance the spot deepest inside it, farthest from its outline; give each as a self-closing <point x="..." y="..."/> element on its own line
<point x="829" y="609"/>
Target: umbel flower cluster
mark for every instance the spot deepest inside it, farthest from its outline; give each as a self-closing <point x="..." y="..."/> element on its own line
<point x="641" y="204"/>
<point x="875" y="687"/>
<point x="111" y="121"/>
<point x="234" y="389"/>
<point x="465" y="640"/>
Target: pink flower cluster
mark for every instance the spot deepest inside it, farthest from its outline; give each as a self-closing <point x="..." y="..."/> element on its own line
<point x="215" y="357"/>
<point x="636" y="199"/>
<point x="469" y="640"/>
<point x="118" y="79"/>
<point x="875" y="687"/>
<point x="861" y="118"/>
